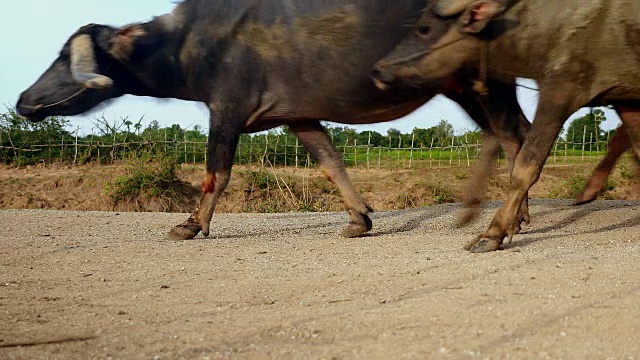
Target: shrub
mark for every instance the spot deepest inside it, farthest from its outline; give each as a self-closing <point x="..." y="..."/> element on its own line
<point x="148" y="176"/>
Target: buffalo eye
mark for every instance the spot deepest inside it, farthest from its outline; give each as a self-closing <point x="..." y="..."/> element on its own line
<point x="423" y="30"/>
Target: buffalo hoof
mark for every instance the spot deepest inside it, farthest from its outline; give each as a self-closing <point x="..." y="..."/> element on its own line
<point x="585" y="197"/>
<point x="485" y="245"/>
<point x="481" y="245"/>
<point x="467" y="215"/>
<point x="357" y="228"/>
<point x="185" y="231"/>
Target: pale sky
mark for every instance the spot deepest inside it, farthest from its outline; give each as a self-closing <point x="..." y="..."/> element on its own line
<point x="32" y="33"/>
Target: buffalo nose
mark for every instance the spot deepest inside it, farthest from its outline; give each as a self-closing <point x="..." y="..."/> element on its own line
<point x="381" y="78"/>
<point x="24" y="99"/>
<point x="25" y="105"/>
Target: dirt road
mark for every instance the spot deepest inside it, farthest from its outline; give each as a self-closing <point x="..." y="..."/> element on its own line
<point x="81" y="285"/>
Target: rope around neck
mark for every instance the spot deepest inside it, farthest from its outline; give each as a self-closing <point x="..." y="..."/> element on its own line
<point x="424" y="52"/>
<point x="479" y="85"/>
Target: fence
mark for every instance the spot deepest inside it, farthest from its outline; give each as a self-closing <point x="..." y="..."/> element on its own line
<point x="281" y="150"/>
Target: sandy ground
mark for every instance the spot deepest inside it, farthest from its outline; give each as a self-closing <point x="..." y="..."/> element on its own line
<point x="97" y="285"/>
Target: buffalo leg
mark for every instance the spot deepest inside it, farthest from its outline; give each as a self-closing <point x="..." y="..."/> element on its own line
<point x="511" y="127"/>
<point x="224" y="133"/>
<point x="553" y="109"/>
<point x="317" y="142"/>
<point x="501" y="119"/>
<point x="630" y="115"/>
<point x="476" y="186"/>
<point x="598" y="180"/>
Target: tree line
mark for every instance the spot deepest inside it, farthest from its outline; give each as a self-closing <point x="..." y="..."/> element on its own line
<point x="24" y="142"/>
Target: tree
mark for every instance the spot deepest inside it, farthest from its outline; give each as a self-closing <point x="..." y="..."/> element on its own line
<point x="376" y="138"/>
<point x="587" y="127"/>
<point x="393" y="137"/>
<point x="443" y="131"/>
<point x="422" y="137"/>
<point x="350" y="134"/>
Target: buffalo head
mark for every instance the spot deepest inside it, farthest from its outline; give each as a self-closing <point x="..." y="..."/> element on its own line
<point x="93" y="66"/>
<point x="446" y="39"/>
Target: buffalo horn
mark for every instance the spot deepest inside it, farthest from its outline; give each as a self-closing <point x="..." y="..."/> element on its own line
<point x="83" y="64"/>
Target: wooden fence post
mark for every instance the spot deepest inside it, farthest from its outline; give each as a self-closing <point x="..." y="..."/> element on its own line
<point x="431" y="154"/>
<point x="75" y="155"/>
<point x="398" y="150"/>
<point x="368" y="149"/>
<point x="466" y="147"/>
<point x="297" y="160"/>
<point x="389" y="150"/>
<point x="597" y="132"/>
<point x="266" y="150"/>
<point x="355" y="153"/>
<point x="344" y="151"/>
<point x="584" y="140"/>
<point x="451" y="154"/>
<point x="275" y="151"/>
<point x="413" y="139"/>
<point x="286" y="146"/>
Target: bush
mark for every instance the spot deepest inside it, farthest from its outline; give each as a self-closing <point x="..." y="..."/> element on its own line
<point x="569" y="188"/>
<point x="149" y="176"/>
<point x="24" y="141"/>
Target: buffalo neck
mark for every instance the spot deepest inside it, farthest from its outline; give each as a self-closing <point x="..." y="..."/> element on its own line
<point x="155" y="62"/>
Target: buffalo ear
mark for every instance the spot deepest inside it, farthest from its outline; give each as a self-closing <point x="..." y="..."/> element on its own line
<point x="123" y="41"/>
<point x="479" y="14"/>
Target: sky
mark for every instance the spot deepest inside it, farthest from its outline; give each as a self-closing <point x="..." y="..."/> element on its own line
<point x="32" y="33"/>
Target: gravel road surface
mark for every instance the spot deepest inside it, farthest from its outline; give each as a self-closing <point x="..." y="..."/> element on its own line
<point x="94" y="285"/>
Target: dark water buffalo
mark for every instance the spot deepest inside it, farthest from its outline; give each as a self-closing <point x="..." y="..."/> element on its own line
<point x="258" y="65"/>
<point x="582" y="53"/>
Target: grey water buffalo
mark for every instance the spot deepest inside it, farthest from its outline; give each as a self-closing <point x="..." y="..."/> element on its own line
<point x="581" y="53"/>
<point x="259" y="65"/>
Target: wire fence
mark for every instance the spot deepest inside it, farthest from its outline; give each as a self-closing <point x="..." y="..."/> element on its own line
<point x="280" y="150"/>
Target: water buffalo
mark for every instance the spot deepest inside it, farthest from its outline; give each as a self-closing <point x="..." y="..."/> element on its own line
<point x="582" y="53"/>
<point x="259" y="65"/>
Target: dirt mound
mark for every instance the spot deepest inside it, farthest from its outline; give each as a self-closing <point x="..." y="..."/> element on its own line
<point x="285" y="189"/>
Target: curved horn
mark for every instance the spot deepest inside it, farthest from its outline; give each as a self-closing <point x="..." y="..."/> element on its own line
<point x="447" y="8"/>
<point x="83" y="64"/>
